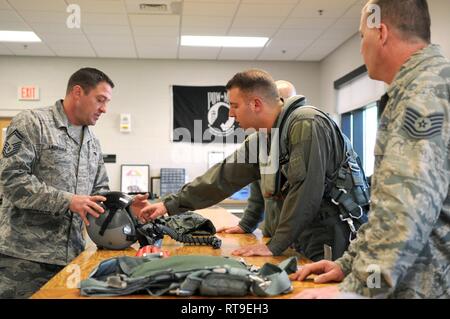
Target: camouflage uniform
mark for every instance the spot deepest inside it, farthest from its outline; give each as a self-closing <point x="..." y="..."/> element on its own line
<point x="20" y="278"/>
<point x="45" y="161"/>
<point x="304" y="219"/>
<point x="259" y="208"/>
<point x="408" y="233"/>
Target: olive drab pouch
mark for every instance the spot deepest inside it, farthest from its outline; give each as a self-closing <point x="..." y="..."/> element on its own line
<point x="187" y="276"/>
<point x="189" y="223"/>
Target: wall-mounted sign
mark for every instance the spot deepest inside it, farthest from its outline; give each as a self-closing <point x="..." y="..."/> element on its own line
<point x="28" y="93"/>
<point x="125" y="123"/>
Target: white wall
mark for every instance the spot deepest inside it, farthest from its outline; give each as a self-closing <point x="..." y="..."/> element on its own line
<point x="343" y="60"/>
<point x="143" y="90"/>
<point x="347" y="57"/>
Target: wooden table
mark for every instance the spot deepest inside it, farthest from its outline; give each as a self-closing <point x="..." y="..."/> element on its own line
<point x="64" y="284"/>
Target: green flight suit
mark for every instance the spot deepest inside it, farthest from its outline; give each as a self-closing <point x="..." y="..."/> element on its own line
<point x="307" y="219"/>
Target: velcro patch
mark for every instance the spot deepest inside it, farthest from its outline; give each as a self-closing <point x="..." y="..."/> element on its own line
<point x="12" y="144"/>
<point x="422" y="127"/>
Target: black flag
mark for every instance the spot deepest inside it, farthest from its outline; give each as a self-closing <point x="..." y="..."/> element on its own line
<point x="200" y="115"/>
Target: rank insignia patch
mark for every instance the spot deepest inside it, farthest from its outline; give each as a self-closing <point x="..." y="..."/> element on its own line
<point x="12" y="144"/>
<point x="422" y="127"/>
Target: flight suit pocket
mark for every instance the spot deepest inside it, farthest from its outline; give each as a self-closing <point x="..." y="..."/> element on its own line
<point x="296" y="168"/>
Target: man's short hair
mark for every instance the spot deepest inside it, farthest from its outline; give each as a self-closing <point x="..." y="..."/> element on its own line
<point x="255" y="80"/>
<point x="410" y="17"/>
<point x="88" y="78"/>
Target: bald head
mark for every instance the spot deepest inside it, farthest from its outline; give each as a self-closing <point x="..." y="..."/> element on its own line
<point x="285" y="89"/>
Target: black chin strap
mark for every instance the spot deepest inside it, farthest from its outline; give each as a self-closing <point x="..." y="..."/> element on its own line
<point x="107" y="220"/>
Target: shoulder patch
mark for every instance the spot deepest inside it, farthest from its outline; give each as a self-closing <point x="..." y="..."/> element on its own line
<point x="13" y="143"/>
<point x="418" y="126"/>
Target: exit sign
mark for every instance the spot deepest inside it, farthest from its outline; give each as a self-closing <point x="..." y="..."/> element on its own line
<point x="29" y="93"/>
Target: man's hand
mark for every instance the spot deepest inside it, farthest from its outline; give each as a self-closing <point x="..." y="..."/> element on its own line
<point x="231" y="230"/>
<point x="152" y="211"/>
<point x="254" y="250"/>
<point x="83" y="205"/>
<point x="329" y="272"/>
<point x="139" y="202"/>
<point x="331" y="292"/>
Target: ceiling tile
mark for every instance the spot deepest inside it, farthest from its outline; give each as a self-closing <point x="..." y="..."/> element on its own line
<point x="4" y="50"/>
<point x="14" y="26"/>
<point x="356" y="9"/>
<point x="342" y="30"/>
<point x="10" y="16"/>
<point x="68" y="50"/>
<point x="155" y="52"/>
<point x="156" y="31"/>
<point x="4" y="5"/>
<point x="113" y="46"/>
<point x="252" y="32"/>
<point x="219" y="31"/>
<point x="280" y="43"/>
<point x="213" y="1"/>
<point x="202" y="21"/>
<point x="119" y="30"/>
<point x="115" y="51"/>
<point x="157" y="41"/>
<point x="39" y="5"/>
<point x="53" y="28"/>
<point x="198" y="53"/>
<point x="256" y="22"/>
<point x="292" y="35"/>
<point x="107" y="29"/>
<point x="239" y="53"/>
<point x="319" y="50"/>
<point x="59" y="38"/>
<point x="111" y="40"/>
<point x="104" y="19"/>
<point x="220" y="9"/>
<point x="264" y="10"/>
<point x="38" y="49"/>
<point x="154" y="20"/>
<point x="309" y="23"/>
<point x="280" y="53"/>
<point x="271" y="1"/>
<point x="46" y="17"/>
<point x="102" y="6"/>
<point x="331" y="9"/>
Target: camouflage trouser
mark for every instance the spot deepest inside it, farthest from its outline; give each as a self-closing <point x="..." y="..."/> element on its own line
<point x="20" y="278"/>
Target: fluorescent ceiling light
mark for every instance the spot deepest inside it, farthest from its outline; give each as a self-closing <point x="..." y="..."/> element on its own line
<point x="18" y="36"/>
<point x="211" y="41"/>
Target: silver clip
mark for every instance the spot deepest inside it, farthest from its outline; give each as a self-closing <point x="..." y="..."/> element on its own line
<point x="360" y="213"/>
<point x="257" y="279"/>
<point x="335" y="202"/>
<point x="350" y="223"/>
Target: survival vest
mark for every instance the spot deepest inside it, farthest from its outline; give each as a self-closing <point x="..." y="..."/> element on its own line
<point x="346" y="188"/>
<point x="186" y="276"/>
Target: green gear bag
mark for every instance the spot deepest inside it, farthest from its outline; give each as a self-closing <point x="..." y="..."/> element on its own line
<point x="187" y="275"/>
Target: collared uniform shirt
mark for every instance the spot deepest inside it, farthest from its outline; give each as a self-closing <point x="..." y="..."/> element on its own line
<point x="404" y="249"/>
<point x="44" y="163"/>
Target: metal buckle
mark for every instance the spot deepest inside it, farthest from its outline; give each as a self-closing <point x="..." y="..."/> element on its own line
<point x="354" y="167"/>
<point x="349" y="222"/>
<point x="334" y="201"/>
<point x="360" y="213"/>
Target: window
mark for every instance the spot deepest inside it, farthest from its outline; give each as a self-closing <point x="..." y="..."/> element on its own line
<point x="360" y="126"/>
<point x="357" y="103"/>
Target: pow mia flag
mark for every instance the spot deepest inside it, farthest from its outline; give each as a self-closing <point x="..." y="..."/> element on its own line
<point x="422" y="127"/>
<point x="12" y="144"/>
<point x="200" y="115"/>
